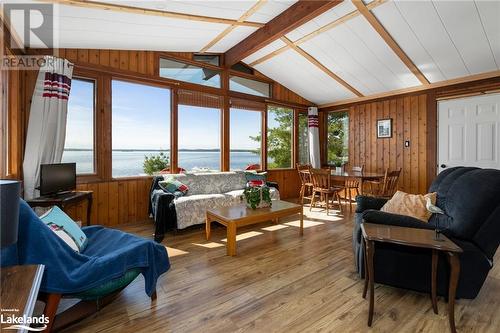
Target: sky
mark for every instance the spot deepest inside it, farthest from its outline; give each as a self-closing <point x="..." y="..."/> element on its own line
<point x="141" y="120"/>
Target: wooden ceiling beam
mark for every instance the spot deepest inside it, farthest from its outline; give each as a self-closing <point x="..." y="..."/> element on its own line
<point x="316" y="63"/>
<point x="295" y="16"/>
<point x="226" y="31"/>
<point x="316" y="32"/>
<point x="379" y="28"/>
<point x="151" y="12"/>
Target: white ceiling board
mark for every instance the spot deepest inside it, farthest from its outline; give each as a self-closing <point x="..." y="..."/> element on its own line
<point x="299" y="75"/>
<point x="229" y="9"/>
<point x="270" y="9"/>
<point x="432" y="36"/>
<point x="490" y="13"/>
<point x="95" y="28"/>
<point x="336" y="58"/>
<point x="463" y="23"/>
<point x="231" y="39"/>
<point x="388" y="14"/>
<point x="327" y="17"/>
<point x="357" y="53"/>
<point x="384" y="62"/>
<point x="277" y="44"/>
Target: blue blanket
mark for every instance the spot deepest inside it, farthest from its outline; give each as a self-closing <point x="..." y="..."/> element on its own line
<point x="108" y="255"/>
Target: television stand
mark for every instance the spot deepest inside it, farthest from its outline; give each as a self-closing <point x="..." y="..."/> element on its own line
<point x="63" y="200"/>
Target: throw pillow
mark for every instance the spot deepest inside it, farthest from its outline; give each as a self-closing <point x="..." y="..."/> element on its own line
<point x="64" y="227"/>
<point x="413" y="205"/>
<point x="172" y="186"/>
<point x="250" y="176"/>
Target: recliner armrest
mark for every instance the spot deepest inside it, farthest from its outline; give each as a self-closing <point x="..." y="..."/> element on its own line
<point x="378" y="217"/>
<point x="365" y="202"/>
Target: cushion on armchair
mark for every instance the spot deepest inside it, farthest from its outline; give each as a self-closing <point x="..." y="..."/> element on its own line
<point x="413" y="205"/>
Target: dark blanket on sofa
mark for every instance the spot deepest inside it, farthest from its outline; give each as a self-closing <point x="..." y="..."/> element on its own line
<point x="108" y="255"/>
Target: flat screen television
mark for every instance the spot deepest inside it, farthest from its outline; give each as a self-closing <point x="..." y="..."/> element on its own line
<point x="57" y="178"/>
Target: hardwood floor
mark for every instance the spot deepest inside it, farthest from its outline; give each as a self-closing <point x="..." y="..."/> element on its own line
<point x="280" y="282"/>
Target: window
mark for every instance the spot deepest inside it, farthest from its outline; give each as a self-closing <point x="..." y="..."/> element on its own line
<point x="176" y="70"/>
<point x="140" y="127"/>
<point x="79" y="143"/>
<point x="245" y="139"/>
<point x="199" y="131"/>
<point x="248" y="86"/>
<point x="211" y="59"/>
<point x="337" y="136"/>
<point x="242" y="68"/>
<point x="279" y="137"/>
<point x="303" y="139"/>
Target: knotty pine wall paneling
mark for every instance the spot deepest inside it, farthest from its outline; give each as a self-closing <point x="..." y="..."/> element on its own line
<point x="409" y="116"/>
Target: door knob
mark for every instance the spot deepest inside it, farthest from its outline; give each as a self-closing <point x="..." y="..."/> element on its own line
<point x="443" y="166"/>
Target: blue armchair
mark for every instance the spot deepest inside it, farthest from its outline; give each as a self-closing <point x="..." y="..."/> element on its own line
<point x="111" y="261"/>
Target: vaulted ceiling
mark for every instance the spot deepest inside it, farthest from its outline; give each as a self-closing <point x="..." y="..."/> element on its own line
<point x="325" y="53"/>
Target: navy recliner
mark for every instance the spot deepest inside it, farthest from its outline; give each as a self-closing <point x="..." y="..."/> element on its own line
<point x="470" y="198"/>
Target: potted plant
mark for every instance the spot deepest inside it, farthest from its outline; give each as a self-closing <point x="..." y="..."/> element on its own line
<point x="338" y="163"/>
<point x="155" y="163"/>
<point x="258" y="196"/>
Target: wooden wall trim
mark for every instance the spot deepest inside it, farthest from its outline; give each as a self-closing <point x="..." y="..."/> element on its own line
<point x="448" y="85"/>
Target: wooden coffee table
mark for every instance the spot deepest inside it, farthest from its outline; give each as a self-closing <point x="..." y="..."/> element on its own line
<point x="240" y="215"/>
<point x="421" y="238"/>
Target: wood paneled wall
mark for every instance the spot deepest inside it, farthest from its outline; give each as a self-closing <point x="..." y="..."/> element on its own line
<point x="414" y="118"/>
<point x="120" y="201"/>
<point x="410" y="121"/>
<point x="115" y="202"/>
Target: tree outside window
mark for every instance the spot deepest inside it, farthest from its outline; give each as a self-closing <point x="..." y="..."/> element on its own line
<point x="337" y="137"/>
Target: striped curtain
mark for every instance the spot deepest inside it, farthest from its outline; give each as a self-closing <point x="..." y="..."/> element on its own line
<point x="47" y="120"/>
<point x="313" y="124"/>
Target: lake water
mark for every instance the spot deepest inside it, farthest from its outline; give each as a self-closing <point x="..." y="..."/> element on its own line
<point x="129" y="163"/>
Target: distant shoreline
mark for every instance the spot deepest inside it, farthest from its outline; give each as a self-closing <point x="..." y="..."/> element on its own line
<point x="167" y="150"/>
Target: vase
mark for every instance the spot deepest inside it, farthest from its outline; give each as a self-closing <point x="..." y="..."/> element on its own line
<point x="338" y="169"/>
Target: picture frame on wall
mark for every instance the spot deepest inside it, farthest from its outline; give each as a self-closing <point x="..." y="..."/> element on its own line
<point x="384" y="128"/>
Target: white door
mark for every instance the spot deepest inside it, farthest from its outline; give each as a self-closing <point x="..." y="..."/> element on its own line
<point x="468" y="132"/>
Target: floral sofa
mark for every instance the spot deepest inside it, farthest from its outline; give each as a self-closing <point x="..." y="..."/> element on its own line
<point x="206" y="190"/>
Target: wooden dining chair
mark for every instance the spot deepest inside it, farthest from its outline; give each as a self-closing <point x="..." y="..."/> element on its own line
<point x="322" y="186"/>
<point x="306" y="185"/>
<point x="385" y="187"/>
<point x="351" y="184"/>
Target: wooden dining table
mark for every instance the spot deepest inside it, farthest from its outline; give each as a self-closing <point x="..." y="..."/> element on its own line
<point x="362" y="176"/>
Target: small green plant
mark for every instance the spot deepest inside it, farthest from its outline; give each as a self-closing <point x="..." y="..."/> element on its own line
<point x="338" y="162"/>
<point x="155" y="163"/>
<point x="256" y="195"/>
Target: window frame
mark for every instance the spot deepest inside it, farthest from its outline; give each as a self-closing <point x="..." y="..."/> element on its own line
<point x="98" y="174"/>
<point x="263" y="145"/>
<point x="294" y="141"/>
<point x="186" y="84"/>
<point x="325" y="131"/>
<point x="251" y="78"/>
<point x="144" y="82"/>
<point x="94" y="125"/>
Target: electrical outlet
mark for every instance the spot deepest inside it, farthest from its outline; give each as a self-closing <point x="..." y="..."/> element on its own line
<point x="407" y="143"/>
